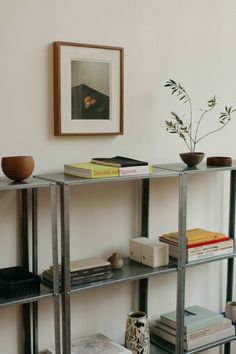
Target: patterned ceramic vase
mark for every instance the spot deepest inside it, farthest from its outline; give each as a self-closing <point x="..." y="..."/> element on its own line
<point x="137" y="337"/>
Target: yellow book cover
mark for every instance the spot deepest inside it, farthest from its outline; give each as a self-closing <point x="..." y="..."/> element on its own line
<point x="90" y="170"/>
<point x="195" y="235"/>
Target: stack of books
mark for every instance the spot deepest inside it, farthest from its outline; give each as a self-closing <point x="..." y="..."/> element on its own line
<point x="97" y="343"/>
<point x="201" y="327"/>
<point x="200" y="244"/>
<point x="108" y="167"/>
<point x="82" y="271"/>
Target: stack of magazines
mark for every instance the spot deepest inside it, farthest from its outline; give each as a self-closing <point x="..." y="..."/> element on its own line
<point x="201" y="327"/>
<point x="200" y="244"/>
<point x="82" y="271"/>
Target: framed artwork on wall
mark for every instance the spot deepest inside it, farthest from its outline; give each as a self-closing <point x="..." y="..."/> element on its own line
<point x="88" y="89"/>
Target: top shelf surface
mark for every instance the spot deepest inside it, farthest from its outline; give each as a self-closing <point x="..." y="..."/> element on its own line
<point x="201" y="168"/>
<point x="7" y="184"/>
<point x="159" y="170"/>
<point x="61" y="177"/>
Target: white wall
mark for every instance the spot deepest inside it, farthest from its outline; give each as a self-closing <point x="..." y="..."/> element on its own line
<point x="189" y="41"/>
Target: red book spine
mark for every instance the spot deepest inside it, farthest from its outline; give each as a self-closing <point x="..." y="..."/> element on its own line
<point x="208" y="242"/>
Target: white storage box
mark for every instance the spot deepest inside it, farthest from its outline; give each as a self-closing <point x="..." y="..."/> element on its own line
<point x="149" y="251"/>
<point x="135" y="248"/>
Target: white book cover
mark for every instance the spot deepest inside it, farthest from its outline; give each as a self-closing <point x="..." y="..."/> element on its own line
<point x="95" y="344"/>
<point x="135" y="170"/>
<point x="88" y="263"/>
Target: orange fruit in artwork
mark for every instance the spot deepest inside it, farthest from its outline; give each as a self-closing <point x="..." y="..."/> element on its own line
<point x="87" y="104"/>
<point x="93" y="101"/>
<point x="87" y="99"/>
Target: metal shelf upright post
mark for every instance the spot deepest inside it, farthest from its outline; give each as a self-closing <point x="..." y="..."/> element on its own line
<point x="30" y="302"/>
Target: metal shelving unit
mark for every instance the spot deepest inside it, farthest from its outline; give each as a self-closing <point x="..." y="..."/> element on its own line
<point x="184" y="173"/>
<point x="130" y="272"/>
<point x="133" y="271"/>
<point x="26" y="189"/>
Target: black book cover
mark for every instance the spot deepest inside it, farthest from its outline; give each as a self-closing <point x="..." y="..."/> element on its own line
<point x="118" y="161"/>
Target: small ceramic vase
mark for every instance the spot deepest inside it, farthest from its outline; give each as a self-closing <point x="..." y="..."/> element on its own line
<point x="116" y="261"/>
<point x="230" y="311"/>
<point x="137" y="337"/>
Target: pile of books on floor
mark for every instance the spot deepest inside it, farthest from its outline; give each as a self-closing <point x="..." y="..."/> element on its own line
<point x="82" y="271"/>
<point x="108" y="167"/>
<point x="201" y="327"/>
<point x="97" y="343"/>
<point x="200" y="244"/>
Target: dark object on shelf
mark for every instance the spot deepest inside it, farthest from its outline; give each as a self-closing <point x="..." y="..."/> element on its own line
<point x="118" y="161"/>
<point x="192" y="158"/>
<point x="18" y="168"/>
<point x="220" y="161"/>
<point x="16" y="281"/>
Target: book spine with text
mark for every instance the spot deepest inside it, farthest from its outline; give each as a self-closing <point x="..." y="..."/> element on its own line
<point x="111" y="172"/>
<point x="135" y="170"/>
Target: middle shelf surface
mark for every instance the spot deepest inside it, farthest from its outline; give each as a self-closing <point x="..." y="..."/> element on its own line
<point x="45" y="292"/>
<point x="131" y="270"/>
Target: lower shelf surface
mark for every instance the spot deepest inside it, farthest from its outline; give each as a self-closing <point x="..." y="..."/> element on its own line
<point x="156" y="350"/>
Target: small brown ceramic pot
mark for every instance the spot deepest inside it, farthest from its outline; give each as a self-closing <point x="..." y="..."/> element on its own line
<point x="192" y="158"/>
<point x="18" y="168"/>
<point x="116" y="261"/>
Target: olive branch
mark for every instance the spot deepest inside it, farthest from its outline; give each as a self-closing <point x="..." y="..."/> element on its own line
<point x="185" y="131"/>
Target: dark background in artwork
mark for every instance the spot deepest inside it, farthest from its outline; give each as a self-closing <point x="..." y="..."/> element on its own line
<point x="98" y="111"/>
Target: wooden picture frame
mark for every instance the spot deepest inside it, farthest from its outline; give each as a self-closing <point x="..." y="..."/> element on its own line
<point x="88" y="89"/>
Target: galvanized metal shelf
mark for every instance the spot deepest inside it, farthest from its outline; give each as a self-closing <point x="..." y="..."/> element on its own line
<point x="29" y="302"/>
<point x="201" y="168"/>
<point x="130" y="271"/>
<point x="61" y="177"/>
<point x="45" y="292"/>
<point x="7" y="184"/>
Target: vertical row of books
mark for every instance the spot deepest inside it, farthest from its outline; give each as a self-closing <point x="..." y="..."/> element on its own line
<point x="200" y="244"/>
<point x="117" y="166"/>
<point x="201" y="327"/>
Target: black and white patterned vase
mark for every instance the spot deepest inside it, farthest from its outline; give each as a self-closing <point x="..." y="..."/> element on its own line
<point x="137" y="337"/>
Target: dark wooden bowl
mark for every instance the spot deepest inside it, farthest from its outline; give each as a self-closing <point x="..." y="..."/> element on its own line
<point x="18" y="168"/>
<point x="192" y="158"/>
<point x="221" y="161"/>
